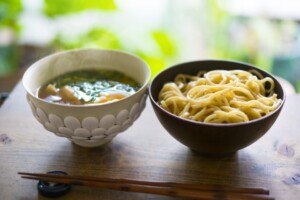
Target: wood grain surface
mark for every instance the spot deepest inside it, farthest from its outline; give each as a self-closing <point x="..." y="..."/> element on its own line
<point x="144" y="152"/>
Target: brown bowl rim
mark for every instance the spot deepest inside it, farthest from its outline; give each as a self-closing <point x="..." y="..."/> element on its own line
<point x="283" y="99"/>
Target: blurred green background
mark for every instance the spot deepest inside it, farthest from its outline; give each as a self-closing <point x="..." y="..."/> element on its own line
<point x="163" y="32"/>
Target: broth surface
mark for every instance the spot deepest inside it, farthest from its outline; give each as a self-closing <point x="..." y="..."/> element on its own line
<point x="88" y="87"/>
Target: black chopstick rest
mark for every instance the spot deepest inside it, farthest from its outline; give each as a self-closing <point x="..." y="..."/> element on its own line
<point x="48" y="189"/>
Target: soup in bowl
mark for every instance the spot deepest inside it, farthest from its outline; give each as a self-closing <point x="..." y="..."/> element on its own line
<point x="87" y="95"/>
<point x="90" y="86"/>
<point x="216" y="106"/>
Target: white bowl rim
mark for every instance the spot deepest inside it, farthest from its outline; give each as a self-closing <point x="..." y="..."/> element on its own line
<point x="33" y="66"/>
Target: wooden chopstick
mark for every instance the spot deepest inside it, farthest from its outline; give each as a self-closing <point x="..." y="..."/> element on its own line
<point x="191" y="191"/>
<point x="161" y="184"/>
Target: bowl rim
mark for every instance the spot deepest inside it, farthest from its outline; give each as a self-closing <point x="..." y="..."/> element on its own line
<point x="33" y="66"/>
<point x="283" y="99"/>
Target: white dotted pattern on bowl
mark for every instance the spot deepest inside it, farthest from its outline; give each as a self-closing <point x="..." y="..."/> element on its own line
<point x="90" y="129"/>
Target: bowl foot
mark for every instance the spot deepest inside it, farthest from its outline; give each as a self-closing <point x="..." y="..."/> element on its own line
<point x="90" y="143"/>
<point x="213" y="155"/>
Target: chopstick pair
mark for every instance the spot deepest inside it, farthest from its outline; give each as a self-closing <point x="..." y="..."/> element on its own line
<point x="173" y="189"/>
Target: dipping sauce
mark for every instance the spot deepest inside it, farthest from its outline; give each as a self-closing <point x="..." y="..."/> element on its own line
<point x="88" y="87"/>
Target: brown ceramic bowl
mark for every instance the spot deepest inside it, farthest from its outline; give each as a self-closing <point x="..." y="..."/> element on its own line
<point x="211" y="138"/>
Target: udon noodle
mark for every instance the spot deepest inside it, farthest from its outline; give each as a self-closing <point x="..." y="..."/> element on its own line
<point x="220" y="96"/>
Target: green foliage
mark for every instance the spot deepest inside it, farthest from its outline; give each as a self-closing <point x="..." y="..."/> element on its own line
<point x="236" y="38"/>
<point x="157" y="50"/>
<point x="98" y="37"/>
<point x="9" y="12"/>
<point x="298" y="87"/>
<point x="160" y="57"/>
<point x="9" y="59"/>
<point x="156" y="63"/>
<point x="165" y="43"/>
<point x="55" y="8"/>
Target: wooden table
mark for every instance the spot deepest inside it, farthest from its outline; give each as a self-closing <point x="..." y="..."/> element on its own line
<point x="144" y="152"/>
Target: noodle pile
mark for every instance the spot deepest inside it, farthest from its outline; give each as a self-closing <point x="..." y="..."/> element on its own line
<point x="220" y="96"/>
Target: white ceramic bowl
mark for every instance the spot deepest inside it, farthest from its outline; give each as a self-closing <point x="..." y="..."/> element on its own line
<point x="87" y="125"/>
